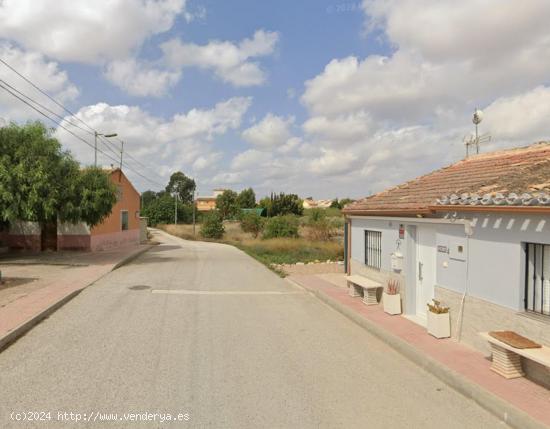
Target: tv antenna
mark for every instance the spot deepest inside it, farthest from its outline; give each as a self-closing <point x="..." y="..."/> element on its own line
<point x="476" y="139"/>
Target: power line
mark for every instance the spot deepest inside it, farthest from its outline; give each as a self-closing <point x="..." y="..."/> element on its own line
<point x="92" y="130"/>
<point x="75" y="135"/>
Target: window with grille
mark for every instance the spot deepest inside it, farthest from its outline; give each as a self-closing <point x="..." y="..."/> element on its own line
<point x="373" y="249"/>
<point x="537" y="278"/>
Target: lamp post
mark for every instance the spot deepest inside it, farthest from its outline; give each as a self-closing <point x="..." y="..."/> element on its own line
<point x="96" y="135"/>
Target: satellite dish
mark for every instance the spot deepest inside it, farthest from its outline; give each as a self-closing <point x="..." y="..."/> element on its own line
<point x="478" y="116"/>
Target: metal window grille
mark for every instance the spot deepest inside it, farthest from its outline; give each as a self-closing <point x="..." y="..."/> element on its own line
<point x="373" y="249"/>
<point x="537" y="278"/>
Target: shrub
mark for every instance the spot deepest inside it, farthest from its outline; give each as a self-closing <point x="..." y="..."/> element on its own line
<point x="212" y="225"/>
<point x="281" y="226"/>
<point x="282" y="204"/>
<point x="320" y="227"/>
<point x="252" y="222"/>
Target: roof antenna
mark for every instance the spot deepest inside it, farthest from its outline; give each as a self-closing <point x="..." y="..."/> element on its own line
<point x="476" y="139"/>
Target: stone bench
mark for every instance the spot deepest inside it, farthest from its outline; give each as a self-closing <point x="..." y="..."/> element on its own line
<point x="362" y="286"/>
<point x="507" y="359"/>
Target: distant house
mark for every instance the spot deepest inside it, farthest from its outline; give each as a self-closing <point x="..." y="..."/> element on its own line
<point x="474" y="235"/>
<point x="205" y="204"/>
<point x="120" y="228"/>
<point x="309" y="203"/>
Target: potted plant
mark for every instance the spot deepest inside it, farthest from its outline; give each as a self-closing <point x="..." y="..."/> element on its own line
<point x="439" y="322"/>
<point x="391" y="298"/>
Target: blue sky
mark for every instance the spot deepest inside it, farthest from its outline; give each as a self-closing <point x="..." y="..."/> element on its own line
<point x="322" y="98"/>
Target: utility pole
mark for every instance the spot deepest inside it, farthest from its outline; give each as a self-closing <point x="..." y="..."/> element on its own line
<point x="194" y="209"/>
<point x="176" y="208"/>
<point x="120" y="166"/>
<point x="95" y="148"/>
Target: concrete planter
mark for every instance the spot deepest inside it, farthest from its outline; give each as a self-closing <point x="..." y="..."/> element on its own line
<point x="439" y="325"/>
<point x="392" y="303"/>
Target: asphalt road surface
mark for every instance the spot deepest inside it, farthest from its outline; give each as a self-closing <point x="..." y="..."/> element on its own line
<point x="205" y="335"/>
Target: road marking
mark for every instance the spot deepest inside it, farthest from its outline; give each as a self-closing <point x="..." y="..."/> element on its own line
<point x="223" y="292"/>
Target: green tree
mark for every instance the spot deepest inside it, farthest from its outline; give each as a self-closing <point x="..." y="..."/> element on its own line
<point x="162" y="210"/>
<point x="252" y="222"/>
<point x="182" y="185"/>
<point x="246" y="199"/>
<point x="212" y="225"/>
<point x="40" y="182"/>
<point x="281" y="226"/>
<point x="226" y="203"/>
<point x="147" y="197"/>
<point x="283" y="204"/>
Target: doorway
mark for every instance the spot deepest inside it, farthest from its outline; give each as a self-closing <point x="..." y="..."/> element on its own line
<point x="425" y="269"/>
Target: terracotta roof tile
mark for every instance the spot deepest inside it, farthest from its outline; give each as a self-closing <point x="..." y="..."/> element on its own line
<point x="525" y="169"/>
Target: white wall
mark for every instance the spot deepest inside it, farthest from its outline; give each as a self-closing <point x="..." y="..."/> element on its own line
<point x="494" y="252"/>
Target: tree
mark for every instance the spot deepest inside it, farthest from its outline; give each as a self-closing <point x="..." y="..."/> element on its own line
<point x="226" y="203"/>
<point x="212" y="225"/>
<point x="182" y="185"/>
<point x="162" y="210"/>
<point x="282" y="204"/>
<point x="40" y="182"/>
<point x="147" y="197"/>
<point x="252" y="222"/>
<point x="246" y="199"/>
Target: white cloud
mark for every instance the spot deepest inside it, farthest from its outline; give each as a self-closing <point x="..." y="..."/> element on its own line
<point x="350" y="127"/>
<point x="45" y="74"/>
<point x="183" y="142"/>
<point x="84" y="31"/>
<point x="140" y="78"/>
<point x="270" y="132"/>
<point x="521" y="118"/>
<point x="332" y="162"/>
<point x="248" y="159"/>
<point x="231" y="62"/>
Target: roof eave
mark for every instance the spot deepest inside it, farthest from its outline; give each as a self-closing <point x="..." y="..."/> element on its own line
<point x="388" y="212"/>
<point x="497" y="209"/>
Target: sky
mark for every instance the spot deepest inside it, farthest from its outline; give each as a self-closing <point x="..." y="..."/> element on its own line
<point x="316" y="97"/>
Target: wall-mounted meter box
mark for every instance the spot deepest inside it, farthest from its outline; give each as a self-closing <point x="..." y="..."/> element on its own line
<point x="397" y="261"/>
<point x="458" y="249"/>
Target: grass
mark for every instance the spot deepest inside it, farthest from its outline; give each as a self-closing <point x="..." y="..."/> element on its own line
<point x="271" y="251"/>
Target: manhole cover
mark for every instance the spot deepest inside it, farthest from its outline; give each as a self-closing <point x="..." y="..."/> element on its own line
<point x="139" y="287"/>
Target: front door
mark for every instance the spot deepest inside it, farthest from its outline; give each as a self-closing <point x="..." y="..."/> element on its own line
<point x="425" y="268"/>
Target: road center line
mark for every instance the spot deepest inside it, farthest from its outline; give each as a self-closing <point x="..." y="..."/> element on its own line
<point x="222" y="292"/>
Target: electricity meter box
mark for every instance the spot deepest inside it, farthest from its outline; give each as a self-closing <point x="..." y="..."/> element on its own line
<point x="397" y="261"/>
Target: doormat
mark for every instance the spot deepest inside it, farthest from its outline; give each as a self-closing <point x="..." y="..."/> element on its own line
<point x="515" y="340"/>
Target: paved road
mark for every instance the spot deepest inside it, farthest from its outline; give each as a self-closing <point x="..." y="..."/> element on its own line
<point x="215" y="336"/>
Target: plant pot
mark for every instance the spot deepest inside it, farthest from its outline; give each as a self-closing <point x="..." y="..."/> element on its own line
<point x="392" y="303"/>
<point x="439" y="325"/>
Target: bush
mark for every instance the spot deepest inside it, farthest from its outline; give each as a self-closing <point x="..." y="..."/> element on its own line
<point x="281" y="226"/>
<point x="252" y="222"/>
<point x="282" y="204"/>
<point x="320" y="226"/>
<point x="212" y="225"/>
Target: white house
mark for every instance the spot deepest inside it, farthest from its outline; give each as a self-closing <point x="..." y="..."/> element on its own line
<point x="474" y="235"/>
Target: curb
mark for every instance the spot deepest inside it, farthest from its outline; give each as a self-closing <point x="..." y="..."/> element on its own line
<point x="505" y="411"/>
<point x="26" y="326"/>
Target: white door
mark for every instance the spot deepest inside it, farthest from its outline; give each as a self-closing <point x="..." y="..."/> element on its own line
<point x="425" y="268"/>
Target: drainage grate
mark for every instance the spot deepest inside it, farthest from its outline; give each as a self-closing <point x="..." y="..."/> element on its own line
<point x="139" y="287"/>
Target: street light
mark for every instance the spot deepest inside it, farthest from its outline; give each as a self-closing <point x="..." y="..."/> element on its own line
<point x="96" y="135"/>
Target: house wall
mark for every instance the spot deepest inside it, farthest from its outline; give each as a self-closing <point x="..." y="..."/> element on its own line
<point x="491" y="271"/>
<point x="73" y="236"/>
<point x="24" y="235"/>
<point x="109" y="233"/>
<point x="206" y="205"/>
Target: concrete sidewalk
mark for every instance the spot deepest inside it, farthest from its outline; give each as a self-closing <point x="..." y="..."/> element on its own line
<point x="51" y="280"/>
<point x="519" y="402"/>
